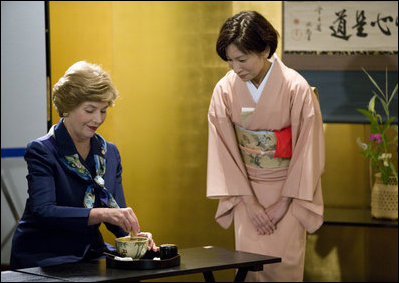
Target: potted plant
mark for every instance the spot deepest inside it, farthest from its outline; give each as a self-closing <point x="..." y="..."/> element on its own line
<point x="382" y="142"/>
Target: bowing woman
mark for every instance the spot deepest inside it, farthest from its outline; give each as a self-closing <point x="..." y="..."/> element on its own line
<point x="74" y="179"/>
<point x="266" y="149"/>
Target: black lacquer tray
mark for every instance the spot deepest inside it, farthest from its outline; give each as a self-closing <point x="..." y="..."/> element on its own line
<point x="146" y="262"/>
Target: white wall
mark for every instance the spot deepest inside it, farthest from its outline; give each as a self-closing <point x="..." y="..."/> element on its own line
<point x="23" y="100"/>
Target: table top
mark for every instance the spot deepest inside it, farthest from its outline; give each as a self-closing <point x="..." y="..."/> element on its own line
<point x="15" y="276"/>
<point x="193" y="260"/>
<point x="355" y="217"/>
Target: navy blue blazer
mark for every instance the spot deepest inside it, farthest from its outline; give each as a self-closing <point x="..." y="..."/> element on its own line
<point x="54" y="227"/>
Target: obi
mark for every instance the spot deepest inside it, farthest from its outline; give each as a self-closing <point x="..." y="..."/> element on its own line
<point x="265" y="149"/>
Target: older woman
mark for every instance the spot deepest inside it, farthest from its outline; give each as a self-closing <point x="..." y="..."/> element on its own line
<point x="266" y="149"/>
<point x="74" y="179"/>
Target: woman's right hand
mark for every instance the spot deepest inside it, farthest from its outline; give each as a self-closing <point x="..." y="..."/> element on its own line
<point x="258" y="215"/>
<point x="122" y="217"/>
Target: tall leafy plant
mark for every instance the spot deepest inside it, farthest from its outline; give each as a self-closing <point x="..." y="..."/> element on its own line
<point x="379" y="147"/>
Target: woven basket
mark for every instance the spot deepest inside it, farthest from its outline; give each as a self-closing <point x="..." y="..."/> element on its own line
<point x="384" y="198"/>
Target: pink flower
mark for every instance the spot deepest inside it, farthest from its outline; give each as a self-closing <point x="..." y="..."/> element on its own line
<point x="376" y="137"/>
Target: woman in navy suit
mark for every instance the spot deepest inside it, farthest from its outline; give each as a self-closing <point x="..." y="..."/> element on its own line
<point x="74" y="179"/>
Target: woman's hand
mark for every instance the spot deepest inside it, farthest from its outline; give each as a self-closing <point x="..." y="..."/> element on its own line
<point x="151" y="243"/>
<point x="258" y="215"/>
<point x="122" y="217"/>
<point x="277" y="210"/>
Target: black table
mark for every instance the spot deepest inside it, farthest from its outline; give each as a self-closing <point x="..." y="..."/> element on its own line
<point x="18" y="276"/>
<point x="193" y="260"/>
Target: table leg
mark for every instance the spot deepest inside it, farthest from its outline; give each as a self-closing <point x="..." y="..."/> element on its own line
<point x="208" y="275"/>
<point x="241" y="274"/>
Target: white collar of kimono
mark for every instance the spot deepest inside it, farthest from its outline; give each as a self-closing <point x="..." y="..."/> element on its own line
<point x="257" y="92"/>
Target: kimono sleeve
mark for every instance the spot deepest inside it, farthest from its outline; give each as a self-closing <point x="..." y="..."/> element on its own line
<point x="226" y="174"/>
<point x="303" y="182"/>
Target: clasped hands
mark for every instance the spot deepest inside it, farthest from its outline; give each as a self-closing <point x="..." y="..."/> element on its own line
<point x="122" y="217"/>
<point x="265" y="219"/>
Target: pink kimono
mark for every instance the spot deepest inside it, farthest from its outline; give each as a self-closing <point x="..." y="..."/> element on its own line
<point x="286" y="101"/>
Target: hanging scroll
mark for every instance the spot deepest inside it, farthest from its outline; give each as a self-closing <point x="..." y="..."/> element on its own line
<point x="340" y="26"/>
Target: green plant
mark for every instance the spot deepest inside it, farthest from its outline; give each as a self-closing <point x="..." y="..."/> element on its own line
<point x="379" y="148"/>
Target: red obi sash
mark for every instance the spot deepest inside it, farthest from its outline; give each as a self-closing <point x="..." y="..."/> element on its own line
<point x="284" y="143"/>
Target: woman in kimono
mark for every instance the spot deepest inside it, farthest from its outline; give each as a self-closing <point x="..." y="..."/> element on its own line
<point x="266" y="149"/>
<point x="74" y="179"/>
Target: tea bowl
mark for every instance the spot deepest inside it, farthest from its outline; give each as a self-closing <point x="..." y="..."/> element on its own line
<point x="131" y="246"/>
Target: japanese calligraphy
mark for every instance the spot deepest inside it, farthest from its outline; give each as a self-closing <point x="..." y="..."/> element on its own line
<point x="340" y="32"/>
<point x="360" y="23"/>
<point x="318" y="25"/>
<point x="385" y="30"/>
<point x="341" y="26"/>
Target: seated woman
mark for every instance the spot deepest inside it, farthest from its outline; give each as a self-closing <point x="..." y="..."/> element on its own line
<point x="74" y="179"/>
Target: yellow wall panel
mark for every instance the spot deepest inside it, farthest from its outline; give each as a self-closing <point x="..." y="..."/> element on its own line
<point x="79" y="30"/>
<point x="345" y="182"/>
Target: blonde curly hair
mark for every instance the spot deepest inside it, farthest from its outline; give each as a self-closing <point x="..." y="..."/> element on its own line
<point x="83" y="82"/>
